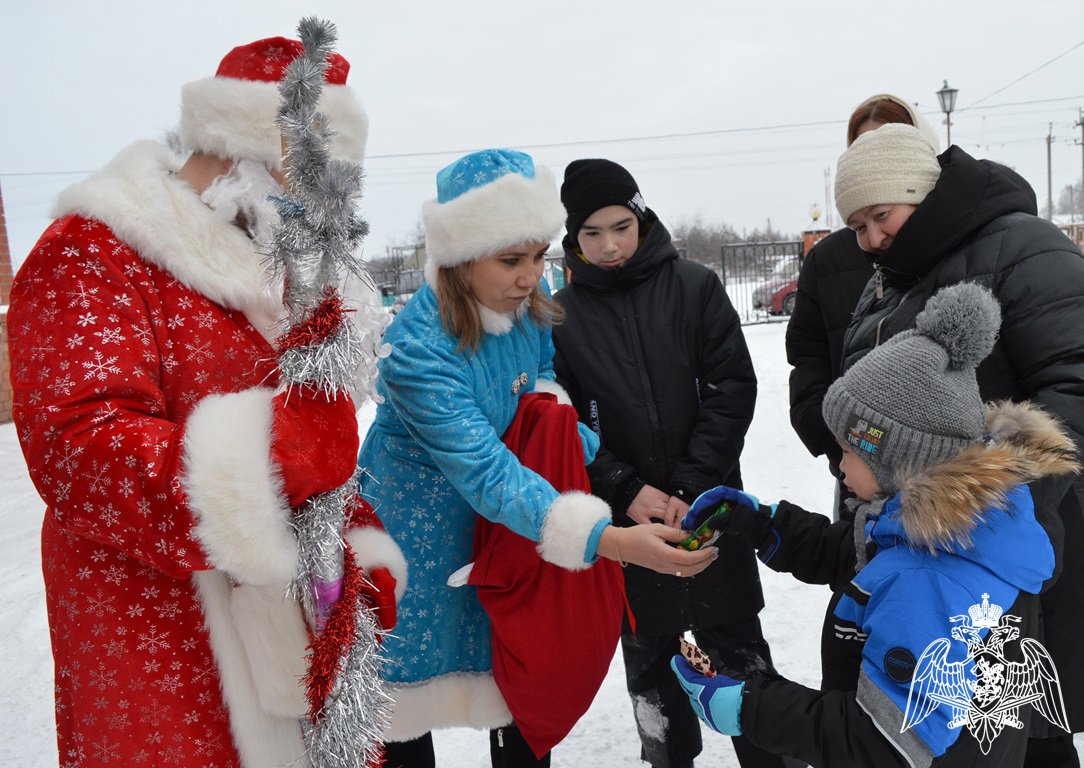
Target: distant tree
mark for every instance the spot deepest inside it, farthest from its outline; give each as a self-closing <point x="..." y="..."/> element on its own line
<point x="703" y="242"/>
<point x="768" y="234"/>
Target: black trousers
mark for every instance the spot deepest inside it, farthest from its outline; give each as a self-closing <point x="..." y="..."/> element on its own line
<point x="507" y="749"/>
<point x="669" y="729"/>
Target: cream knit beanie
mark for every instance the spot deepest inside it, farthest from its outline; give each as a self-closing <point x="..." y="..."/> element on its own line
<point x="892" y="164"/>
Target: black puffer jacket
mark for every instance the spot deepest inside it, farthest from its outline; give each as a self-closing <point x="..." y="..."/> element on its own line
<point x="834" y="272"/>
<point x="979" y="225"/>
<point x="654" y="359"/>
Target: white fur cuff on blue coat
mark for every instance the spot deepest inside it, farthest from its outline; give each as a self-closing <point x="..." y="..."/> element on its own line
<point x="569" y="522"/>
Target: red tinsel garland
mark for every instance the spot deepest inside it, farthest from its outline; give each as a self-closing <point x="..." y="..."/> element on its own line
<point x="338" y="636"/>
<point x="321" y="325"/>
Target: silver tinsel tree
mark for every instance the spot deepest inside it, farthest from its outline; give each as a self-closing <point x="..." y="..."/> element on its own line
<point x="332" y="348"/>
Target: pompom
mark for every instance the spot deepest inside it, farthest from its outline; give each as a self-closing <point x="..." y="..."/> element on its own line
<point x="964" y="319"/>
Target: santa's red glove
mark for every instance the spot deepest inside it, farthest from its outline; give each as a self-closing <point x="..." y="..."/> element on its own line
<point x="360" y="514"/>
<point x="378" y="592"/>
<point x="314" y="441"/>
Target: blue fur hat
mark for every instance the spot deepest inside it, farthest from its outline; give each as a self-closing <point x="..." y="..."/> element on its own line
<point x="487" y="201"/>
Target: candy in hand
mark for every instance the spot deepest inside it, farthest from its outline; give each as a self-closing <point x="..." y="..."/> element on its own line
<point x="697" y="659"/>
<point x="707" y="527"/>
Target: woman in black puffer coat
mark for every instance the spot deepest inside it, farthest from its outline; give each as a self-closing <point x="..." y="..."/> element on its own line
<point x="834" y="272"/>
<point x="937" y="221"/>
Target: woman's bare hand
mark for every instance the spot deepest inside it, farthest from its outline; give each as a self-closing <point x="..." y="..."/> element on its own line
<point x="649" y="545"/>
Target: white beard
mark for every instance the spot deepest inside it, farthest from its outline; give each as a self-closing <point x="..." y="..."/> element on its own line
<point x="241" y="196"/>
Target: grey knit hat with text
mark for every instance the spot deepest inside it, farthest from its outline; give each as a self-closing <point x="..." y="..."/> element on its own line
<point x="893" y="164"/>
<point x="915" y="400"/>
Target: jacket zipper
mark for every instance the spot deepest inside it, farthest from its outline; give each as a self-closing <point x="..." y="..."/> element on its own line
<point x="877" y="336"/>
<point x="879" y="293"/>
<point x="645" y="382"/>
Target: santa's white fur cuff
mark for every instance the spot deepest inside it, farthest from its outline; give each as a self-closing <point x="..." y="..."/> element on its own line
<point x="234" y="489"/>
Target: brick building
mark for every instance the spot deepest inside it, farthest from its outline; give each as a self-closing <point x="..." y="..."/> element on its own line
<point x="5" y="294"/>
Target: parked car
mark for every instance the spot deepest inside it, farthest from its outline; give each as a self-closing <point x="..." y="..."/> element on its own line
<point x="776" y="295"/>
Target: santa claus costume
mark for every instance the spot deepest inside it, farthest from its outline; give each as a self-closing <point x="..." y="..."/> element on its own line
<point x="144" y="378"/>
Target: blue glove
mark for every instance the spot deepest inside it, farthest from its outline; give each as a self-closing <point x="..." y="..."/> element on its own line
<point x="747" y="517"/>
<point x="711" y="499"/>
<point x="716" y="700"/>
<point x="590" y="441"/>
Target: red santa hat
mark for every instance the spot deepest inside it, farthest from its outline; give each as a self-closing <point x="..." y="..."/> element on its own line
<point x="232" y="114"/>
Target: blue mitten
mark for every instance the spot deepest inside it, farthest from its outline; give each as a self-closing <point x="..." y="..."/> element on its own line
<point x="716" y="700"/>
<point x="746" y="516"/>
<point x="590" y="441"/>
<point x="711" y="499"/>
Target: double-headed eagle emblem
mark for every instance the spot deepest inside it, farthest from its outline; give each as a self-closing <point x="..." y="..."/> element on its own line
<point x="986" y="690"/>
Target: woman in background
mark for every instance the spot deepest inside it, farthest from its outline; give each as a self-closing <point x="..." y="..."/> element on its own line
<point x="833" y="274"/>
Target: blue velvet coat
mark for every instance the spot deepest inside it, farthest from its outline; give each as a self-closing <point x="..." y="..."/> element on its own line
<point x="433" y="460"/>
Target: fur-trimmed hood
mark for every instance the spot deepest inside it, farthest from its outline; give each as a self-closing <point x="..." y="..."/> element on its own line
<point x="940" y="506"/>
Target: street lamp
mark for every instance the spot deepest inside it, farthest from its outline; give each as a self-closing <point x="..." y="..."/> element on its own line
<point x="947" y="97"/>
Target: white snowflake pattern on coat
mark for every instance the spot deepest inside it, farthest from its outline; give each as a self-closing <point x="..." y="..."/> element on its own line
<point x="136" y="315"/>
<point x="433" y="461"/>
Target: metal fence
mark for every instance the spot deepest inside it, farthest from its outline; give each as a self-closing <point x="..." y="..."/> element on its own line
<point x="761" y="279"/>
<point x="397" y="285"/>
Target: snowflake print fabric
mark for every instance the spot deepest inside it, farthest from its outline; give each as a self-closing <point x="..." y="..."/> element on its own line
<point x="143" y="372"/>
<point x="136" y="682"/>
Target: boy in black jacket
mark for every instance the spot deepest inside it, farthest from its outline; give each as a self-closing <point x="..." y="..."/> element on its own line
<point x="652" y="354"/>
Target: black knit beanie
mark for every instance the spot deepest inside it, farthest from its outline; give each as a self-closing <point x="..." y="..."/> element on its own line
<point x="590" y="185"/>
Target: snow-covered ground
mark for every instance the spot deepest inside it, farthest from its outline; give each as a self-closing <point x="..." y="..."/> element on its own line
<point x="775" y="465"/>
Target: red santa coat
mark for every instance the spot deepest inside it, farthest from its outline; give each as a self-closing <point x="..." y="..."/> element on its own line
<point x="142" y="379"/>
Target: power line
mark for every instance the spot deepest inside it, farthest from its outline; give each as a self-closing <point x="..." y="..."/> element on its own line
<point x="1027" y="103"/>
<point x="653" y="137"/>
<point x="692" y="134"/>
<point x="1017" y="80"/>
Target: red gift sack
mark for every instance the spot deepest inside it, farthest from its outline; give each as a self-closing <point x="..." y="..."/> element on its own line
<point x="555" y="631"/>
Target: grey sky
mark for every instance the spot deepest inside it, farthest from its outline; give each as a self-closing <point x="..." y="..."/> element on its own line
<point x="751" y="96"/>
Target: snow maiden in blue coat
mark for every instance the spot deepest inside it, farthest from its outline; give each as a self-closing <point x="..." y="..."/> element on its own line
<point x="468" y="345"/>
<point x="941" y="622"/>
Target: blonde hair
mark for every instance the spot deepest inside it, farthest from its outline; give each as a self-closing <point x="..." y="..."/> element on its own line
<point x="459" y="307"/>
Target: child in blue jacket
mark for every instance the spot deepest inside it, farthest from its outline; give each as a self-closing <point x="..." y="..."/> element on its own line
<point x="936" y="611"/>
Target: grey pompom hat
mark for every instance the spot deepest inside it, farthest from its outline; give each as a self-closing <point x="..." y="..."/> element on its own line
<point x="914" y="400"/>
